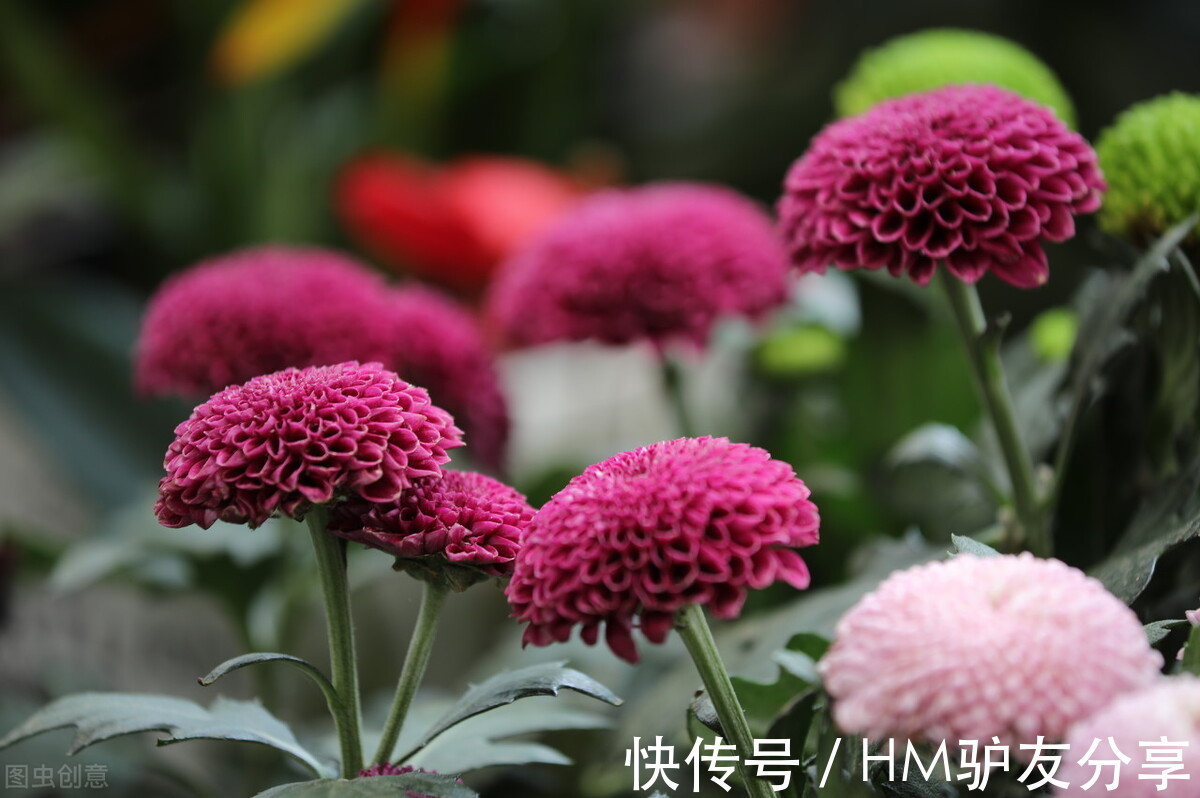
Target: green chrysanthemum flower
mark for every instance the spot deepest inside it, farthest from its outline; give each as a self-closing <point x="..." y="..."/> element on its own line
<point x="943" y="56"/>
<point x="1151" y="158"/>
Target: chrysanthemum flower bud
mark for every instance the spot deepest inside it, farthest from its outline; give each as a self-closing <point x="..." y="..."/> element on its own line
<point x="931" y="59"/>
<point x="1151" y="157"/>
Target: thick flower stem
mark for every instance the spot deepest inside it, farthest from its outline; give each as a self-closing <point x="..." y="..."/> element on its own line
<point x="672" y="376"/>
<point x="414" y="667"/>
<point x="983" y="351"/>
<point x="331" y="564"/>
<point x="693" y="628"/>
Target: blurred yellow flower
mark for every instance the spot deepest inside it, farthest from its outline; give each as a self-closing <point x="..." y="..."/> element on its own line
<point x="264" y="36"/>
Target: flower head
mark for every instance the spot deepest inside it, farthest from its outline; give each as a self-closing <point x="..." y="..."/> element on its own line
<point x="647" y="532"/>
<point x="298" y="437"/>
<point x="449" y="224"/>
<point x="256" y="311"/>
<point x="459" y="527"/>
<point x="931" y="59"/>
<point x="1151" y="157"/>
<point x="438" y="344"/>
<point x="971" y="648"/>
<point x="1135" y="722"/>
<point x="973" y="176"/>
<point x="659" y="262"/>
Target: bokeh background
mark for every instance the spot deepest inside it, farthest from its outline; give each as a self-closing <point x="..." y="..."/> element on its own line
<point x="138" y="136"/>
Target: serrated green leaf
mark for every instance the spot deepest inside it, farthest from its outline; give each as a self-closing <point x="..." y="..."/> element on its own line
<point x="102" y="716"/>
<point x="1102" y="329"/>
<point x="967" y="545"/>
<point x="505" y="688"/>
<point x="483" y="740"/>
<point x="434" y="784"/>
<point x="937" y="478"/>
<point x="305" y="667"/>
<point x="1165" y="519"/>
<point x="1191" y="654"/>
<point x="1157" y="631"/>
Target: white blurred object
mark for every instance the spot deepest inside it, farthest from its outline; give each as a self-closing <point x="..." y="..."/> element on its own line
<point x="576" y="404"/>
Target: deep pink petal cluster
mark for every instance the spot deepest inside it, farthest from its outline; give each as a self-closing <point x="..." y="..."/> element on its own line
<point x="388" y="769"/>
<point x="975" y="647"/>
<point x="438" y="344"/>
<point x="656" y="263"/>
<point x="974" y="176"/>
<point x="647" y="532"/>
<point x="285" y="441"/>
<point x="256" y="311"/>
<point x="462" y="517"/>
<point x="1135" y="723"/>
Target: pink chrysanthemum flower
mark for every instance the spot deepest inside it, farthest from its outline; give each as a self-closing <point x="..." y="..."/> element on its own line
<point x="1137" y="723"/>
<point x="971" y="648"/>
<point x="285" y="441"/>
<point x="438" y="344"/>
<point x="973" y="176"/>
<point x="459" y="519"/>
<point x="658" y="263"/>
<point x="647" y="532"/>
<point x="256" y="311"/>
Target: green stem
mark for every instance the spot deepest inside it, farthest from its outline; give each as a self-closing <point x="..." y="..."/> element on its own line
<point x="983" y="351"/>
<point x="414" y="667"/>
<point x="693" y="628"/>
<point x="331" y="564"/>
<point x="672" y="376"/>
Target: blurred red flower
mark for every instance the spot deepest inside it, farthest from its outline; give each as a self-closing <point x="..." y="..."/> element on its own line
<point x="450" y="224"/>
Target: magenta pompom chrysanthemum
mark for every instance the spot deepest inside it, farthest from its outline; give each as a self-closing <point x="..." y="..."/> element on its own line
<point x="439" y="345"/>
<point x="972" y="176"/>
<point x="648" y="532"/>
<point x="656" y="263"/>
<point x="256" y="311"/>
<point x="285" y="441"/>
<point x="461" y="518"/>
<point x="1137" y="724"/>
<point x="970" y="648"/>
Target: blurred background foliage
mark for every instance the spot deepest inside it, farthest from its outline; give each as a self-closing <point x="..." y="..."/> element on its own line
<point x="137" y="136"/>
